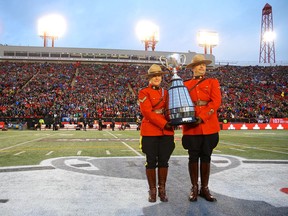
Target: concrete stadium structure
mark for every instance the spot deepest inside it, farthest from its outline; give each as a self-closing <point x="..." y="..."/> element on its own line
<point x="88" y="55"/>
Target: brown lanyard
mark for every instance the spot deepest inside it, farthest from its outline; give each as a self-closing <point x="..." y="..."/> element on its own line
<point x="162" y="96"/>
<point x="196" y="85"/>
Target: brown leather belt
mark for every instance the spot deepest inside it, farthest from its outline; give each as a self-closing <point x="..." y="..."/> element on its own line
<point x="200" y="103"/>
<point x="158" y="111"/>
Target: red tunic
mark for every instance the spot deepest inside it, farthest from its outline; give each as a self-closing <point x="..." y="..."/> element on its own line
<point x="153" y="121"/>
<point x="208" y="90"/>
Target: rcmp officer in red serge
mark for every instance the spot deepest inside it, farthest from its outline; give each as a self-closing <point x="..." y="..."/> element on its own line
<point x="157" y="135"/>
<point x="202" y="137"/>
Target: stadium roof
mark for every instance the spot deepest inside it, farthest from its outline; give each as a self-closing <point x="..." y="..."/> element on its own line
<point x="28" y="53"/>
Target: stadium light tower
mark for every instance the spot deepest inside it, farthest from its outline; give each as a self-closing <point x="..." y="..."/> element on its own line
<point x="207" y="40"/>
<point x="267" y="47"/>
<point x="148" y="33"/>
<point x="51" y="27"/>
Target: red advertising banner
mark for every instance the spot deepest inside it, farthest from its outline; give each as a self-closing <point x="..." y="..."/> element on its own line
<point x="254" y="126"/>
<point x="279" y="120"/>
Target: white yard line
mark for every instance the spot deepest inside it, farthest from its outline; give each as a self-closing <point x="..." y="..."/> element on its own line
<point x="128" y="146"/>
<point x="136" y="152"/>
<point x="249" y="147"/>
<point x="79" y="152"/>
<point x="49" y="153"/>
<point x="237" y="149"/>
<point x="215" y="150"/>
<point x="111" y="134"/>
<point x="20" y="153"/>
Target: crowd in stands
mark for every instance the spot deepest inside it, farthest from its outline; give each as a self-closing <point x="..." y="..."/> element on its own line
<point x="110" y="90"/>
<point x="253" y="92"/>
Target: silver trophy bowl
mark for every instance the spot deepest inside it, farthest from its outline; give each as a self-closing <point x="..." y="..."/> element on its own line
<point x="180" y="108"/>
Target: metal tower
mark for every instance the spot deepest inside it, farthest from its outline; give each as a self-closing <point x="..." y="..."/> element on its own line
<point x="267" y="48"/>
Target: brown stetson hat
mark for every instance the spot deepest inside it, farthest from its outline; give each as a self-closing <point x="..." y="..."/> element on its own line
<point x="155" y="70"/>
<point x="198" y="59"/>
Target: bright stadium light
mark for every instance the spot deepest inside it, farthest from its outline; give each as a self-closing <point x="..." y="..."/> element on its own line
<point x="148" y="33"/>
<point x="207" y="39"/>
<point x="269" y="36"/>
<point x="51" y="26"/>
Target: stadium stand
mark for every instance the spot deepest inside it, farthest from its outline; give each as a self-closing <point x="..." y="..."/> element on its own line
<point x="74" y="91"/>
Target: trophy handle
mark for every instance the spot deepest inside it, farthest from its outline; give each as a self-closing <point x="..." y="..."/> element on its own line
<point x="182" y="59"/>
<point x="163" y="61"/>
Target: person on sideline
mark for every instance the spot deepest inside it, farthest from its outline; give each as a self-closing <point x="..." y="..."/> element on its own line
<point x="201" y="137"/>
<point x="157" y="135"/>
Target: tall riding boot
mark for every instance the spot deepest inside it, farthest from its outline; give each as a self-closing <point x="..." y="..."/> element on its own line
<point x="151" y="177"/>
<point x="193" y="171"/>
<point x="204" y="191"/>
<point x="162" y="177"/>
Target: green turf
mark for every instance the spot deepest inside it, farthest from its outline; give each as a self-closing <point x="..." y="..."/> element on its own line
<point x="32" y="147"/>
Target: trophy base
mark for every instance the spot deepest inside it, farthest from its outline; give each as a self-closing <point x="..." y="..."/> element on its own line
<point x="182" y="115"/>
<point x="181" y="121"/>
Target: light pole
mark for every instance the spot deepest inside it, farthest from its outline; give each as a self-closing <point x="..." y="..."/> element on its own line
<point x="148" y="33"/>
<point x="207" y="39"/>
<point x="150" y="42"/>
<point x="267" y="46"/>
<point x="51" y="27"/>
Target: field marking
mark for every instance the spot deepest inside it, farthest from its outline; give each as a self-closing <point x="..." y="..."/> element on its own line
<point x="215" y="150"/>
<point x="251" y="147"/>
<point x="262" y="133"/>
<point x="112" y="134"/>
<point x="49" y="153"/>
<point x="74" y="163"/>
<point x="128" y="146"/>
<point x="19" y="153"/>
<point x="136" y="152"/>
<point x="79" y="152"/>
<point x="25" y="142"/>
<point x="108" y="152"/>
<point x="237" y="149"/>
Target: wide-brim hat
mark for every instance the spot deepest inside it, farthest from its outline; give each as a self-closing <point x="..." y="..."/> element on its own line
<point x="197" y="60"/>
<point x="155" y="70"/>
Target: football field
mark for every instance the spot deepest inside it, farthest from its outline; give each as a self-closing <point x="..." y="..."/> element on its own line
<point x="69" y="172"/>
<point x="29" y="147"/>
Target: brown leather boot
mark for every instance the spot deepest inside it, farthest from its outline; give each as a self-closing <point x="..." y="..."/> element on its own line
<point x="151" y="177"/>
<point x="204" y="191"/>
<point x="162" y="177"/>
<point x="193" y="171"/>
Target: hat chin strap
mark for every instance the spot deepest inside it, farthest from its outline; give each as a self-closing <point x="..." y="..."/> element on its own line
<point x="198" y="77"/>
<point x="155" y="87"/>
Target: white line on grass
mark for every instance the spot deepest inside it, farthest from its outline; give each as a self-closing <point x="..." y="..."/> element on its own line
<point x="136" y="152"/>
<point x="111" y="134"/>
<point x="49" y="153"/>
<point x="237" y="149"/>
<point x="79" y="152"/>
<point x="260" y="149"/>
<point x="20" y="153"/>
<point x="132" y="149"/>
<point x="108" y="152"/>
<point x="215" y="150"/>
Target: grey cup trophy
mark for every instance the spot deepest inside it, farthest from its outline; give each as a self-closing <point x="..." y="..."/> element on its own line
<point x="180" y="106"/>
